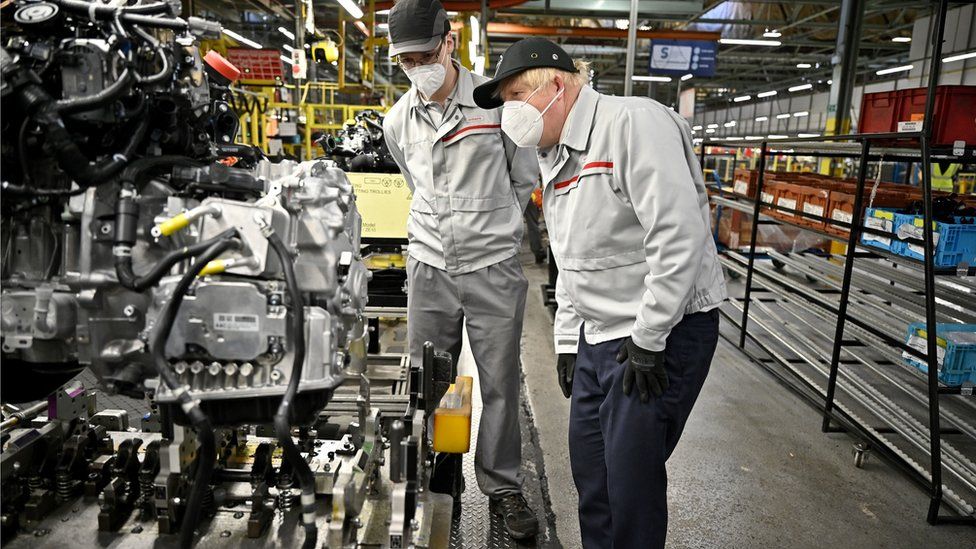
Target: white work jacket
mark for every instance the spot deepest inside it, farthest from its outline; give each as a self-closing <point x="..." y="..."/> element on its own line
<point x="470" y="183"/>
<point x="625" y="203"/>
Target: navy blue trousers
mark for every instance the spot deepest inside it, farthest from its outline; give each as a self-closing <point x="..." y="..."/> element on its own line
<point x="618" y="446"/>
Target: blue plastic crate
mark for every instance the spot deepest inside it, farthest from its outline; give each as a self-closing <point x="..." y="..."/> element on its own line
<point x="882" y="219"/>
<point x="955" y="243"/>
<point x="957" y="348"/>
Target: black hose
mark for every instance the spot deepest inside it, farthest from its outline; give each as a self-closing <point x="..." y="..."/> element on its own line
<point x="128" y="279"/>
<point x="94" y="101"/>
<point x="163" y="55"/>
<point x="106" y="11"/>
<point x="74" y="162"/>
<point x="282" y="425"/>
<point x="137" y="172"/>
<point x="207" y="450"/>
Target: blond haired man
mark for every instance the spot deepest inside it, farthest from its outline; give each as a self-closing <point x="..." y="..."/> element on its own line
<point x="639" y="279"/>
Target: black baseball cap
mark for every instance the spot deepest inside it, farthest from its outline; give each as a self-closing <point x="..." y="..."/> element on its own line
<point x="417" y="26"/>
<point x="528" y="53"/>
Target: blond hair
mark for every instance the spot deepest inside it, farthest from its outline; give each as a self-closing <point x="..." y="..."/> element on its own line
<point x="533" y="78"/>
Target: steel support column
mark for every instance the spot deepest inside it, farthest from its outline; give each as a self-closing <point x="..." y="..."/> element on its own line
<point x="844" y="61"/>
<point x="631" y="49"/>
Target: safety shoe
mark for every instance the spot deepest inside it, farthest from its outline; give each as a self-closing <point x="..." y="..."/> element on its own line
<point x="520" y="522"/>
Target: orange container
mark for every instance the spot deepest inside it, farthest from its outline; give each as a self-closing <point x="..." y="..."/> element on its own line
<point x="840" y="206"/>
<point x="784" y="195"/>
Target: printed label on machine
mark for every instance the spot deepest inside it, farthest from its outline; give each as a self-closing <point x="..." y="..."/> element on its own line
<point x="741" y="187"/>
<point x="383" y="200"/>
<point x="230" y="322"/>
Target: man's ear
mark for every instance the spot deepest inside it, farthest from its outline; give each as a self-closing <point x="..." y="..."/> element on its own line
<point x="451" y="40"/>
<point x="559" y="82"/>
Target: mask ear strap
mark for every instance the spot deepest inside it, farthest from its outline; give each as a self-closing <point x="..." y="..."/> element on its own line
<point x="554" y="98"/>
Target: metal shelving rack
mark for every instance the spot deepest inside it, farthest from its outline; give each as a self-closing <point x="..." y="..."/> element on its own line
<point x="864" y="148"/>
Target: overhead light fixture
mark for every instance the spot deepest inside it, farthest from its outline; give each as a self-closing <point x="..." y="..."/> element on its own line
<point x="772" y="33"/>
<point x="830" y="82"/>
<point x="362" y="28"/>
<point x="801" y="87"/>
<point x="729" y="124"/>
<point x="742" y="98"/>
<point x="733" y="138"/>
<point x="774" y="136"/>
<point x="712" y="126"/>
<point x="808" y="135"/>
<point x="753" y="137"/>
<point x="288" y="48"/>
<point x="383" y="12"/>
<point x="383" y="26"/>
<point x="959" y="57"/>
<point x="902" y="39"/>
<point x="762" y="118"/>
<point x="286" y="32"/>
<point x="803" y="65"/>
<point x="744" y="42"/>
<point x="801" y="114"/>
<point x="767" y="94"/>
<point x="242" y="40"/>
<point x="696" y="128"/>
<point x="782" y="116"/>
<point x="710" y="130"/>
<point x="893" y="70"/>
<point x="287" y="60"/>
<point x="639" y="78"/>
<point x="687" y="77"/>
<point x="354" y="10"/>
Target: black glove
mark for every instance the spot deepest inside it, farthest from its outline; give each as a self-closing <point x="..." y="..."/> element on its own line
<point x="565" y="367"/>
<point x="645" y="367"/>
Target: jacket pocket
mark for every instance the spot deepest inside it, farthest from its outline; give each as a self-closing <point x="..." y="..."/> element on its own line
<point x="480" y="204"/>
<point x="583" y="177"/>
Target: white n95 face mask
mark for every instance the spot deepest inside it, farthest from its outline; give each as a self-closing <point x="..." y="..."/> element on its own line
<point x="427" y="78"/>
<point x="522" y="122"/>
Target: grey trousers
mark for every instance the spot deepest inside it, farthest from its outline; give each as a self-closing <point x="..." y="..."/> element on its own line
<point x="492" y="301"/>
<point x="532" y="230"/>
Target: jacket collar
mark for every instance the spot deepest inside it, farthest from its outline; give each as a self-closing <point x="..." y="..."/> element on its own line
<point x="576" y="132"/>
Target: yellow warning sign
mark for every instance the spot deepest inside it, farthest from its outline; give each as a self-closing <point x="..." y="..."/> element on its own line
<point x="384" y="202"/>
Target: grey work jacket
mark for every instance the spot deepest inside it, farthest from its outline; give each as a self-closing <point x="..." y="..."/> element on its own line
<point x="625" y="203"/>
<point x="470" y="183"/>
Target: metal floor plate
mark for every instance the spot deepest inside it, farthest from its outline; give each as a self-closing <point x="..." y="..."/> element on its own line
<point x="476" y="527"/>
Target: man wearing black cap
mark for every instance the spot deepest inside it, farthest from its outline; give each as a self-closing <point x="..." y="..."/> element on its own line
<point x="470" y="185"/>
<point x="639" y="279"/>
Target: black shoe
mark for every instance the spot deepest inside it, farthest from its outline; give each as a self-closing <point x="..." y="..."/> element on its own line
<point x="520" y="521"/>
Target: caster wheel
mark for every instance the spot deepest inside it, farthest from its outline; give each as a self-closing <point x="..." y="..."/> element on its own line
<point x="861" y="451"/>
<point x="732" y="275"/>
<point x="778" y="265"/>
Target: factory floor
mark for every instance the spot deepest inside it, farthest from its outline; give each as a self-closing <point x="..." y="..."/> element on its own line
<point x="752" y="469"/>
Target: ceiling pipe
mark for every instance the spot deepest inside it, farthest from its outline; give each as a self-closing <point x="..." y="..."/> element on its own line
<point x="515" y="29"/>
<point x="464" y="6"/>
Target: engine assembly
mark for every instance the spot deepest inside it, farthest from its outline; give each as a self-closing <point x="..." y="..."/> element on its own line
<point x="141" y="243"/>
<point x="360" y="146"/>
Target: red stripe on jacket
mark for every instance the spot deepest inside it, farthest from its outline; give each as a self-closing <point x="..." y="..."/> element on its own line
<point x="588" y="165"/>
<point x="468" y="128"/>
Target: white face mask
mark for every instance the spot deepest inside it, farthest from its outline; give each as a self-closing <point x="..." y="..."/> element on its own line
<point x="522" y="122"/>
<point x="427" y="78"/>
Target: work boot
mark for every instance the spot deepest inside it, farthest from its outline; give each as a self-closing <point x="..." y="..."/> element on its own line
<point x="520" y="521"/>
